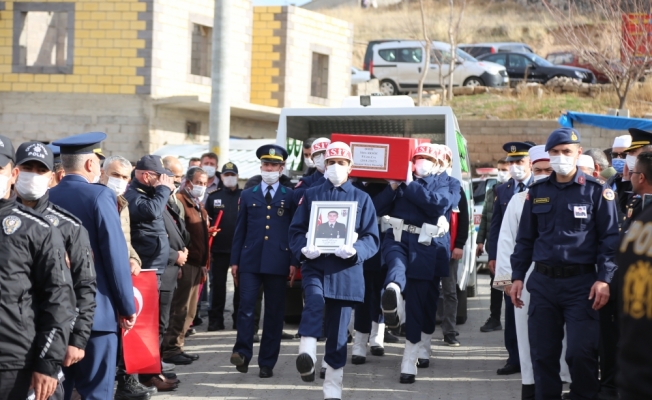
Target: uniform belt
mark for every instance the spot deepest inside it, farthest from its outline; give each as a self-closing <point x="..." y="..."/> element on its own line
<point x="412" y="229"/>
<point x="564" y="271"/>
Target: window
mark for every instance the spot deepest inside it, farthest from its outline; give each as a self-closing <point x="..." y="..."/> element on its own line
<point x="43" y="39"/>
<point x="498" y="59"/>
<point x="388" y="54"/>
<point x="411" y="55"/>
<point x="201" y="53"/>
<point x="319" y="87"/>
<point x="192" y="129"/>
<point x="516" y="61"/>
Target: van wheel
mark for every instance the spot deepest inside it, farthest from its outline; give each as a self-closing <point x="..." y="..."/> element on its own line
<point x="473" y="81"/>
<point x="388" y="88"/>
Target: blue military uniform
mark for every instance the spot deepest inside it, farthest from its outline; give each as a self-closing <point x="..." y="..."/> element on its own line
<point x="262" y="254"/>
<point x="306" y="182"/>
<point x="95" y="206"/>
<point x="566" y="229"/>
<point x="502" y="195"/>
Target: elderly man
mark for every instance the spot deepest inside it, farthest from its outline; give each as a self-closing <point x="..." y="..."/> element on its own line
<point x="209" y="166"/>
<point x="586" y="165"/>
<point x="600" y="164"/>
<point x="173" y="165"/>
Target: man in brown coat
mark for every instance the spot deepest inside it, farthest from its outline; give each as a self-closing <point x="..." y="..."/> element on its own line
<point x="184" y="301"/>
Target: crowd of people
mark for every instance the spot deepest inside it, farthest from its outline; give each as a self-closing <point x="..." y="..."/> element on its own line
<point x="77" y="225"/>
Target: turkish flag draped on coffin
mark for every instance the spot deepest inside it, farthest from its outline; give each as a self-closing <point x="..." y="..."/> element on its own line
<point x="140" y="344"/>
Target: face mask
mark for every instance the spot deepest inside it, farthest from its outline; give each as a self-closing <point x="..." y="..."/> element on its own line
<point x="309" y="163"/>
<point x="117" y="185"/>
<point x="618" y="164"/>
<point x="3" y="185"/>
<point x="198" y="191"/>
<point x="539" y="177"/>
<point x="31" y="186"/>
<point x="631" y="162"/>
<point x="423" y="167"/>
<point x="337" y="174"/>
<point x="517" y="172"/>
<point x="209" y="169"/>
<point x="503" y="176"/>
<point x="319" y="162"/>
<point x="230" y="181"/>
<point x="270" y="178"/>
<point x="563" y="165"/>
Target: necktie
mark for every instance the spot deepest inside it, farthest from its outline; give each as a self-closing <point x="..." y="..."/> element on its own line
<point x="521" y="187"/>
<point x="332" y="226"/>
<point x="268" y="195"/>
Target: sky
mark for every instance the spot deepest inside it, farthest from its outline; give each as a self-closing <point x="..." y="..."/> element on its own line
<point x="279" y="2"/>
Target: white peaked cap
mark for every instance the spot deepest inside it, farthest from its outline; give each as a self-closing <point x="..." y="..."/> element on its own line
<point x="622" y="141"/>
<point x="538" y="153"/>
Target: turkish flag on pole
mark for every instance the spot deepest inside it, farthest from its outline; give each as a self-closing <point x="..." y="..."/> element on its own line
<point x="140" y="344"/>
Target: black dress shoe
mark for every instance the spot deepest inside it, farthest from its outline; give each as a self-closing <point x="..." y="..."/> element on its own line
<point x="306" y="367"/>
<point x="509" y="369"/>
<point x="197" y="321"/>
<point x="178" y="359"/>
<point x="190" y="332"/>
<point x="407" y="378"/>
<point x="322" y="373"/>
<point x="388" y="302"/>
<point x="492" y="324"/>
<point x="527" y="392"/>
<point x="256" y="338"/>
<point x="377" y="351"/>
<point x="240" y="362"/>
<point x="215" y="326"/>
<point x="193" y="357"/>
<point x="451" y="340"/>
<point x="286" y="336"/>
<point x="265" y="372"/>
<point x="390" y="338"/>
<point x="423" y="363"/>
<point x="357" y="360"/>
<point x="131" y="389"/>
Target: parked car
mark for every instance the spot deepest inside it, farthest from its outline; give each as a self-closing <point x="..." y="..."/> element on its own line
<point x="537" y="69"/>
<point x="398" y="66"/>
<point x="358" y="76"/>
<point x="369" y="53"/>
<point x="478" y="49"/>
<point x="576" y="60"/>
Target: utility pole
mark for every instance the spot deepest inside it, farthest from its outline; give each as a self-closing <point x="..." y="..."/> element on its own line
<point x="220" y="110"/>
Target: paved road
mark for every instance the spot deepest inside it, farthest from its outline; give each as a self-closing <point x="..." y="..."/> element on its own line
<point x="466" y="372"/>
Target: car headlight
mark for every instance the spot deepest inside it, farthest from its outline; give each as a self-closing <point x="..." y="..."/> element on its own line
<point x="580" y="75"/>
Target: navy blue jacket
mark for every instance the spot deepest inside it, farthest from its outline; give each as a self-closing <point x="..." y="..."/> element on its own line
<point x="567" y="224"/>
<point x="260" y="242"/>
<point x="306" y="182"/>
<point x="343" y="279"/>
<point x="148" y="235"/>
<point x="96" y="207"/>
<point x="502" y="195"/>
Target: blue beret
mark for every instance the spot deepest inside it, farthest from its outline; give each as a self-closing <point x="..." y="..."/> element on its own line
<point x="562" y="136"/>
<point x="272" y="153"/>
<point x="516" y="150"/>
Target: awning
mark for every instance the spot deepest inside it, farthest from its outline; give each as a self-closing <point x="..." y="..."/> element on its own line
<point x="240" y="110"/>
<point x="604" y="121"/>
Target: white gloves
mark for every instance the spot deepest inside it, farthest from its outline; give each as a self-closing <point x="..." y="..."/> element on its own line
<point x="311" y="252"/>
<point x="344" y="252"/>
<point x="409" y="178"/>
<point x="443" y="225"/>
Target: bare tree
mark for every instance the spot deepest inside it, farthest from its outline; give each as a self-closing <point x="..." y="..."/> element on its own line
<point x="454" y="22"/>
<point x="425" y="55"/>
<point x="621" y="32"/>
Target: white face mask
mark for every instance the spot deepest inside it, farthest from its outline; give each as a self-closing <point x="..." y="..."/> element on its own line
<point x="230" y="181"/>
<point x="117" y="185"/>
<point x="270" y="177"/>
<point x="517" y="172"/>
<point x="209" y="169"/>
<point x="539" y="177"/>
<point x="319" y="162"/>
<point x="563" y="165"/>
<point x="3" y="185"/>
<point x="503" y="176"/>
<point x="337" y="174"/>
<point x="31" y="186"/>
<point x="198" y="191"/>
<point x="308" y="161"/>
<point x="423" y="167"/>
<point x="449" y="171"/>
<point x="631" y="162"/>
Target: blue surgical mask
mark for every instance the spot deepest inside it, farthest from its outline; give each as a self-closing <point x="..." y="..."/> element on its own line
<point x="618" y="164"/>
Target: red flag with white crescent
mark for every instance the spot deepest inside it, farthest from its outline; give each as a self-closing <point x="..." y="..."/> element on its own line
<point x="140" y="344"/>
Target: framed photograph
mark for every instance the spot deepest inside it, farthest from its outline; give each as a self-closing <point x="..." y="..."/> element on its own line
<point x="332" y="224"/>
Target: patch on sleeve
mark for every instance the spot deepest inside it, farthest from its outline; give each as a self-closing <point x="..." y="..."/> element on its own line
<point x="299" y="184"/>
<point x="10" y="224"/>
<point x="608" y="194"/>
<point x="581" y="180"/>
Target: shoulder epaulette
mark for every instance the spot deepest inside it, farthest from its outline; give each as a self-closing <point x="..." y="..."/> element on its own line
<point x="59" y="212"/>
<point x="590" y="178"/>
<point x="212" y="191"/>
<point x="141" y="190"/>
<point x="34" y="217"/>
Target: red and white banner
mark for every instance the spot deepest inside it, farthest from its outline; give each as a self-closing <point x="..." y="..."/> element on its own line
<point x="140" y="344"/>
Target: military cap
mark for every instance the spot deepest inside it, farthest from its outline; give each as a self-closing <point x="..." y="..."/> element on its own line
<point x="153" y="163"/>
<point x="516" y="150"/>
<point x="6" y="151"/>
<point x="640" y="138"/>
<point x="85" y="143"/>
<point x="562" y="136"/>
<point x="272" y="153"/>
<point x="35" y="151"/>
<point x="230" y="167"/>
<point x="56" y="152"/>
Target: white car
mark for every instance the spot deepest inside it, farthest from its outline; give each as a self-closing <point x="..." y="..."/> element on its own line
<point x="359" y="76"/>
<point x="398" y="65"/>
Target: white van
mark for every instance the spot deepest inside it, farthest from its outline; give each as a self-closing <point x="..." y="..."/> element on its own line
<point x="398" y="65"/>
<point x="394" y="116"/>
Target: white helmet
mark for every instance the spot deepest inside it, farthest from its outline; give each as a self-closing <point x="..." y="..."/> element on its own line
<point x="428" y="150"/>
<point x="339" y="150"/>
<point x="319" y="144"/>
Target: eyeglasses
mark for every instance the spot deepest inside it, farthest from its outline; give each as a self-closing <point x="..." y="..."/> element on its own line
<point x="618" y="155"/>
<point x="634" y="172"/>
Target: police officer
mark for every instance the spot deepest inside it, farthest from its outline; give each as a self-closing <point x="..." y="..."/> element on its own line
<point x="520" y="168"/>
<point x="222" y="200"/>
<point x="417" y="251"/>
<point x="568" y="225"/>
<point x="95" y="206"/>
<point x="641" y="178"/>
<point x="38" y="303"/>
<point x="332" y="283"/>
<point x="318" y="151"/>
<point x="261" y="257"/>
<point x="35" y="165"/>
<point x="620" y="181"/>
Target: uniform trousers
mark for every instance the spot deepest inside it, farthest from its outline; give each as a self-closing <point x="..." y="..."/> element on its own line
<point x="420" y="307"/>
<point x="219" y="272"/>
<point x="554" y="302"/>
<point x="182" y="311"/>
<point x="449" y="300"/>
<point x="609" y="336"/>
<point x="332" y="314"/>
<point x="14" y="383"/>
<point x="94" y="375"/>
<point x="496" y="300"/>
<point x="370" y="311"/>
<point x="511" y="340"/>
<point x="274" y="290"/>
